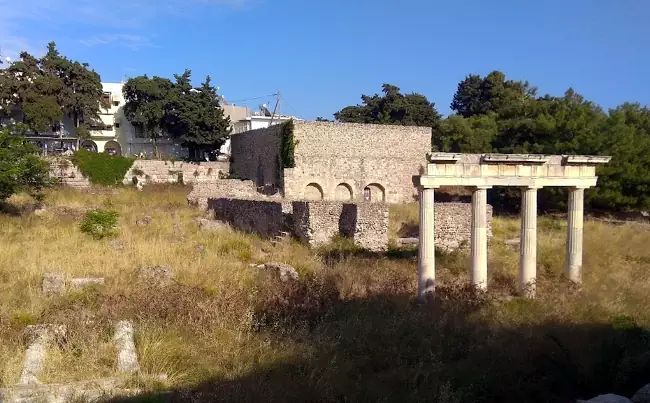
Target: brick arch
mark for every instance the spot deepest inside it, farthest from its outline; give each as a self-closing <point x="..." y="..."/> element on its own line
<point x="374" y="192"/>
<point x="313" y="191"/>
<point x="343" y="192"/>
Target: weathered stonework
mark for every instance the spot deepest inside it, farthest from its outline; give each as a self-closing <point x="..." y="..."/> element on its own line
<point x="145" y="171"/>
<point x="336" y="161"/>
<point x="266" y="218"/>
<point x="227" y="188"/>
<point x="154" y="171"/>
<point x="453" y="224"/>
<point x="317" y="222"/>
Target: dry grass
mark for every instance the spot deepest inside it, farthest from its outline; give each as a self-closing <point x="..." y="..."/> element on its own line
<point x="348" y="331"/>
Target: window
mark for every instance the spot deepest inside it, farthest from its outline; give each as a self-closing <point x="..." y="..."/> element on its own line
<point x="117" y="125"/>
<point x="106" y="97"/>
<point x="116" y="103"/>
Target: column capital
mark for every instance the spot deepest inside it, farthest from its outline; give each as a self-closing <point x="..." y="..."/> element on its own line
<point x="581" y="187"/>
<point x="481" y="187"/>
<point x="531" y="187"/>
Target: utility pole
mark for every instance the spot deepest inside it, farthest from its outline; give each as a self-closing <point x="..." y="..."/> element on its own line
<point x="277" y="107"/>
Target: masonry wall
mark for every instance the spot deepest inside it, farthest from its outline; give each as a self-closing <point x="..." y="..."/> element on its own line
<point x="155" y="171"/>
<point x="265" y="218"/>
<point x="255" y="155"/>
<point x="453" y="222"/>
<point x="341" y="159"/>
<point x="317" y="222"/>
<point x="67" y="173"/>
<point x="226" y="188"/>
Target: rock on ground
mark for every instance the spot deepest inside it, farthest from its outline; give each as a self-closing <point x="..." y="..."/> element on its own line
<point x="285" y="271"/>
<point x="156" y="275"/>
<point x="144" y="221"/>
<point x="127" y="356"/>
<point x="84" y="391"/>
<point x="609" y="398"/>
<point x="642" y="395"/>
<point x="117" y="244"/>
<point x="53" y="284"/>
<point x="79" y="283"/>
<point x="211" y="225"/>
<point x="39" y="337"/>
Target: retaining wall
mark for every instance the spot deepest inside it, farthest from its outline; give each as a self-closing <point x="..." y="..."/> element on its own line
<point x="265" y="218"/>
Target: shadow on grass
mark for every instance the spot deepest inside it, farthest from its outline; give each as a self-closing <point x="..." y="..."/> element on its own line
<point x="388" y="348"/>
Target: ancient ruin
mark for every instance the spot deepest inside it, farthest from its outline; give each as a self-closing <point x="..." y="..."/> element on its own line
<point x="480" y="172"/>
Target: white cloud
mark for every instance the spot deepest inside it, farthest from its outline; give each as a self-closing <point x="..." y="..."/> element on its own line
<point x="103" y="22"/>
<point x="133" y="42"/>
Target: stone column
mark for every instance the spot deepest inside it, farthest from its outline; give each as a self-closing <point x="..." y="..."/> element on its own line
<point x="426" y="250"/>
<point x="478" y="270"/>
<point x="574" y="235"/>
<point x="528" y="243"/>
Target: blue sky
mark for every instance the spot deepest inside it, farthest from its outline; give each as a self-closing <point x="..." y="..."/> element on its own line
<point x="323" y="55"/>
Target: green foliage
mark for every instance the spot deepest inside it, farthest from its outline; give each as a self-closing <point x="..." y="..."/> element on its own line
<point x="392" y="107"/>
<point x="100" y="224"/>
<point x="288" y="144"/>
<point x="20" y="168"/>
<point x="43" y="91"/>
<point x="102" y="168"/>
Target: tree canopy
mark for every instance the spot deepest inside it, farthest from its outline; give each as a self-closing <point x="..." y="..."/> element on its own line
<point x="392" y="107"/>
<point x="191" y="115"/>
<point x="41" y="92"/>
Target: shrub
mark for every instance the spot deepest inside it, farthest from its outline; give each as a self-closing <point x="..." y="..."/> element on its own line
<point x="99" y="224"/>
<point x="138" y="172"/>
<point x="102" y="168"/>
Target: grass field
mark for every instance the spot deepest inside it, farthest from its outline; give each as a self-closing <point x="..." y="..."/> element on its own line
<point x="348" y="331"/>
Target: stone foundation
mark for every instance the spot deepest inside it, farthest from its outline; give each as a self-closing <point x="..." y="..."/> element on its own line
<point x="265" y="218"/>
<point x="317" y="222"/>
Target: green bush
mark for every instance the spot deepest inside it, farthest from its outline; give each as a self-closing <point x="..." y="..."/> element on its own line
<point x="288" y="144"/>
<point x="99" y="224"/>
<point x="102" y="168"/>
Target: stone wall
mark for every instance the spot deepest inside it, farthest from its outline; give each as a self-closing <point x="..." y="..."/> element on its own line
<point x="265" y="218"/>
<point x="67" y="173"/>
<point x="225" y="188"/>
<point x="453" y="222"/>
<point x="317" y="222"/>
<point x="146" y="171"/>
<point x="344" y="158"/>
<point x="155" y="171"/>
<point x="255" y="155"/>
<point x="336" y="161"/>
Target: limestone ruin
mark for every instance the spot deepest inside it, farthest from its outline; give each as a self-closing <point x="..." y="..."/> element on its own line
<point x="480" y="172"/>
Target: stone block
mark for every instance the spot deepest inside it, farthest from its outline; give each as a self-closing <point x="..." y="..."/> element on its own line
<point x="284" y="271"/>
<point x="77" y="284"/>
<point x="53" y="284"/>
<point x="156" y="275"/>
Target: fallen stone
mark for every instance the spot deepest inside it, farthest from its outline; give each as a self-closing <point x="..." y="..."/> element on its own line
<point x="127" y="356"/>
<point x="40" y="210"/>
<point x="609" y="398"/>
<point x="144" y="221"/>
<point x="156" y="275"/>
<point x="285" y="271"/>
<point x="53" y="284"/>
<point x="117" y="244"/>
<point x="642" y="395"/>
<point x="86" y="391"/>
<point x="512" y="242"/>
<point x="39" y="336"/>
<point x="79" y="283"/>
<point x="408" y="241"/>
<point x="211" y="225"/>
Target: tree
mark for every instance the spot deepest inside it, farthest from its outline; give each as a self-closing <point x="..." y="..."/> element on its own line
<point x="146" y="101"/>
<point x="392" y="107"/>
<point x="478" y="95"/>
<point x="322" y="119"/>
<point x="20" y="168"/>
<point x="466" y="135"/>
<point x="81" y="90"/>
<point x="195" y="117"/>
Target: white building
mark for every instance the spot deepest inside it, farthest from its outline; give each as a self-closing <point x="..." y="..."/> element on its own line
<point x="242" y="120"/>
